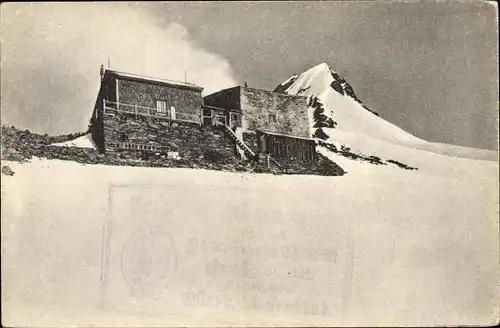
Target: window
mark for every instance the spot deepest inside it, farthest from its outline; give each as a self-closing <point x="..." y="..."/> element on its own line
<point x="273" y="118"/>
<point x="172" y="112"/>
<point x="161" y="106"/>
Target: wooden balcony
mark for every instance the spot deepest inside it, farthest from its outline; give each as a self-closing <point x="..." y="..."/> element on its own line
<point x="137" y="110"/>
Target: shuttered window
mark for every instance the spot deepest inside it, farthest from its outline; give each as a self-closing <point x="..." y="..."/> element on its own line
<point x="161" y="106"/>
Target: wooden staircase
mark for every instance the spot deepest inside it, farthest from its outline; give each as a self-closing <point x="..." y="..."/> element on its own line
<point x="248" y="152"/>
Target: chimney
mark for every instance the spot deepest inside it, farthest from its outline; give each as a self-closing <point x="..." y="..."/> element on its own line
<point x="102" y="72"/>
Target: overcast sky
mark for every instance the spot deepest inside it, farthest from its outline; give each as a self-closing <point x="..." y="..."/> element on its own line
<point x="430" y="68"/>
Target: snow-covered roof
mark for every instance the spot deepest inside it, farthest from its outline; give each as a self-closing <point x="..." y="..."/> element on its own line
<point x="155" y="79"/>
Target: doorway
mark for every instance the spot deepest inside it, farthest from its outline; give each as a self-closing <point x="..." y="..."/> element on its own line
<point x="233" y="120"/>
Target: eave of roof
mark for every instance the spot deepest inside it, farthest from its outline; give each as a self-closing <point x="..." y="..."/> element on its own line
<point x="256" y="89"/>
<point x="284" y="135"/>
<point x="171" y="83"/>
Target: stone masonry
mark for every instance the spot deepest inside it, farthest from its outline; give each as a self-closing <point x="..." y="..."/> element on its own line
<point x="188" y="139"/>
<point x="291" y="112"/>
<point x="265" y="110"/>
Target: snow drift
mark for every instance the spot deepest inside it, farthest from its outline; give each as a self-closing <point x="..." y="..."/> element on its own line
<point x="424" y="250"/>
<point x="84" y="141"/>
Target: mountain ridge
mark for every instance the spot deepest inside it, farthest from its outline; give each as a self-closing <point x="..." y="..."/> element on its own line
<point x="336" y="111"/>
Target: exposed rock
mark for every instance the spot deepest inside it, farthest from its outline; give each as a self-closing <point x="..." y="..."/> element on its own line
<point x="346" y="152"/>
<point x="348" y="90"/>
<point x="7" y="170"/>
<point x="320" y="119"/>
<point x="282" y="87"/>
<point x="321" y="165"/>
<point x="320" y="134"/>
<point x="335" y="85"/>
<point x="401" y="165"/>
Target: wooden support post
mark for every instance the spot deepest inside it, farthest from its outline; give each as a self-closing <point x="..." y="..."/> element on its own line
<point x="104" y="105"/>
<point x="267" y="157"/>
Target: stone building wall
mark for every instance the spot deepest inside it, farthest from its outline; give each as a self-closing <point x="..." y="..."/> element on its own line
<point x="291" y="112"/>
<point x="257" y="105"/>
<point x="185" y="100"/>
<point x="188" y="139"/>
<point x="250" y="139"/>
<point x="106" y="91"/>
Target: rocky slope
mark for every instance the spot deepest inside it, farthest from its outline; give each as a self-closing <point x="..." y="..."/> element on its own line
<point x="23" y="145"/>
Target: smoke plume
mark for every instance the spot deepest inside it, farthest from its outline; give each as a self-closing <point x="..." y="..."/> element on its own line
<point x="51" y="55"/>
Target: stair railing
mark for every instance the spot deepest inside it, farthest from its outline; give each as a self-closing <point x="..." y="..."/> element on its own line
<point x="239" y="142"/>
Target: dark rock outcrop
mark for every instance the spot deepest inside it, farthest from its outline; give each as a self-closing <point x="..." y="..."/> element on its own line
<point x="320" y="134"/>
<point x="348" y="90"/>
<point x="346" y="152"/>
<point x="321" y="165"/>
<point x="7" y="170"/>
<point x="335" y="85"/>
<point x="320" y="119"/>
<point x="401" y="165"/>
<point x="282" y="87"/>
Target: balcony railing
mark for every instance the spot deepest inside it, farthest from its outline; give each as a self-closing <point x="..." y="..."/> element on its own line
<point x="149" y="111"/>
<point x="219" y="119"/>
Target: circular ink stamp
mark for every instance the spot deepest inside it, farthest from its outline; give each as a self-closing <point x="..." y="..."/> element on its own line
<point x="148" y="261"/>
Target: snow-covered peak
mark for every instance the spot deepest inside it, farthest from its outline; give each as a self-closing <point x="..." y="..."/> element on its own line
<point x="317" y="80"/>
<point x="311" y="82"/>
<point x="323" y="67"/>
<point x="335" y="112"/>
<point x="314" y="81"/>
<point x="293" y="85"/>
<point x="332" y="99"/>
